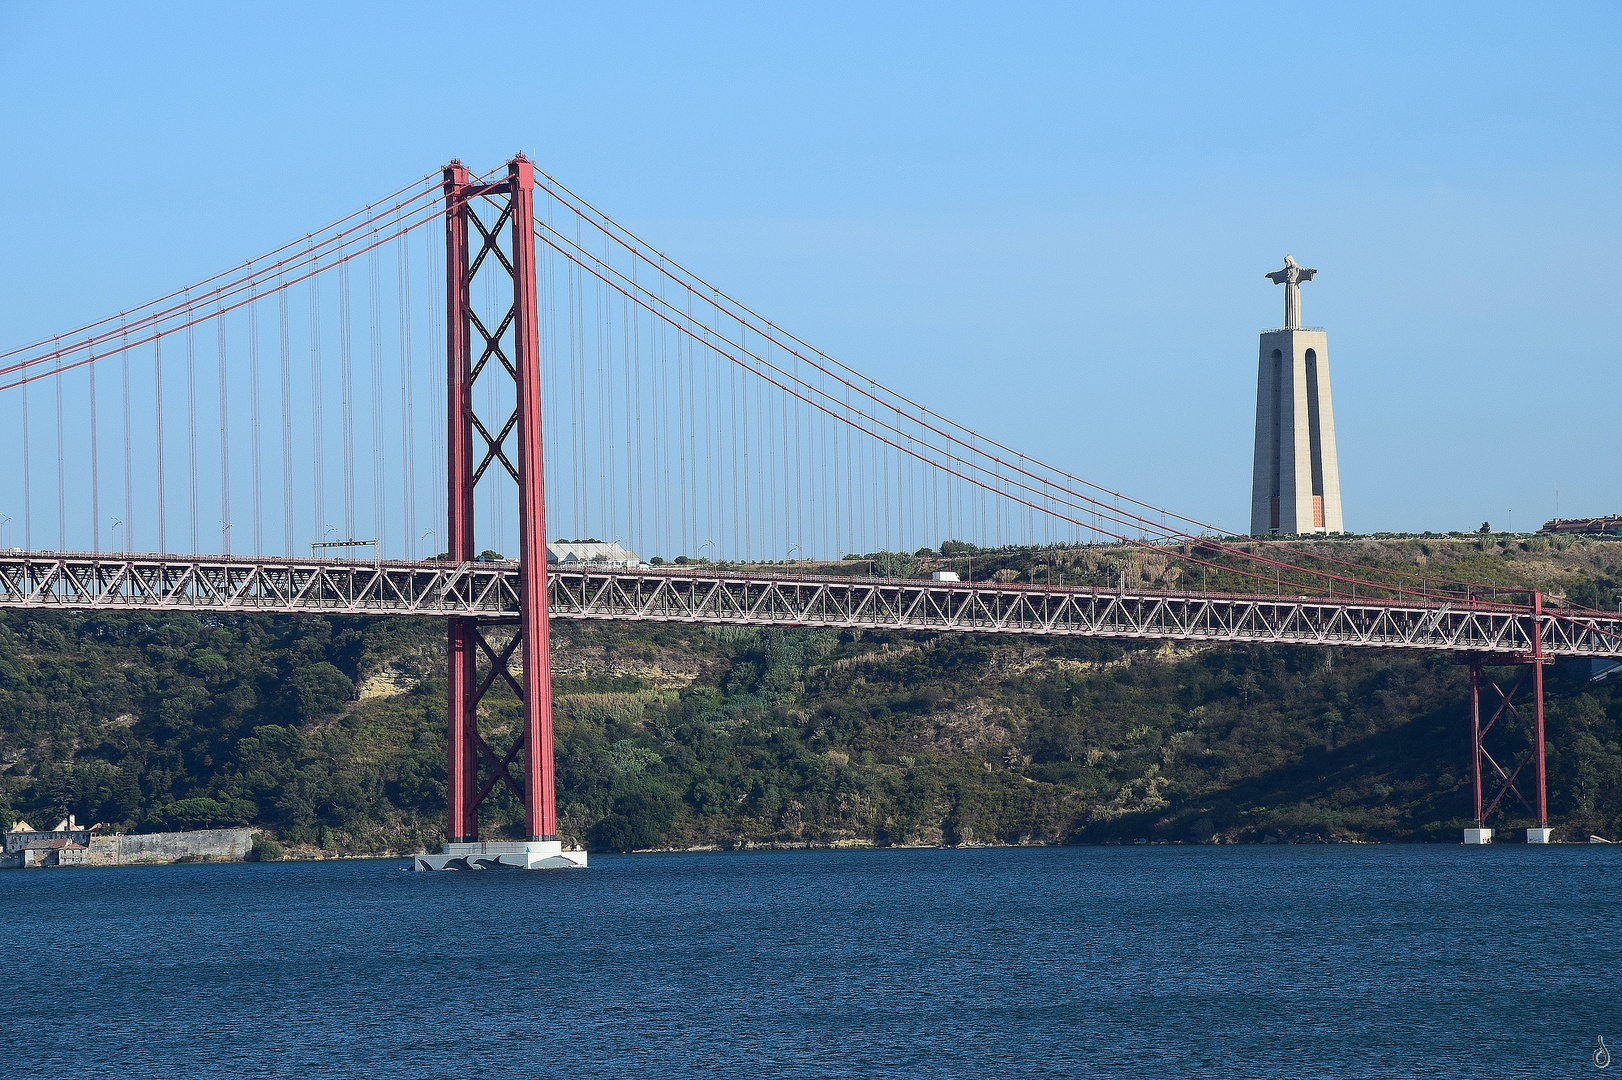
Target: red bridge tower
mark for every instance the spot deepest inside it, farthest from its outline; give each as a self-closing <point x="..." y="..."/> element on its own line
<point x="478" y="217"/>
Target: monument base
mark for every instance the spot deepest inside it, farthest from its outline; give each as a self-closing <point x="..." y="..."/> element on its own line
<point x="1538" y="836"/>
<point x="1478" y="836"/>
<point x="504" y="855"/>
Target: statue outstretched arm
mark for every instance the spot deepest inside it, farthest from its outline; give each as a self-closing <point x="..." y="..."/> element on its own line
<point x="1290" y="275"/>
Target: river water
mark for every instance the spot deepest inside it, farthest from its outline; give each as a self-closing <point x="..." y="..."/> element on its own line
<point x="1149" y="961"/>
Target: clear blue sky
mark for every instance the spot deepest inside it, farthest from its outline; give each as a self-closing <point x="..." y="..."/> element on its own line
<point x="1049" y="222"/>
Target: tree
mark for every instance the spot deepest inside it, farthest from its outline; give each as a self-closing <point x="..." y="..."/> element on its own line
<point x="319" y="689"/>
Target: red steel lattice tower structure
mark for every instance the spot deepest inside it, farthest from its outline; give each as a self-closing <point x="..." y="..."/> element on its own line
<point x="1480" y="755"/>
<point x="511" y="348"/>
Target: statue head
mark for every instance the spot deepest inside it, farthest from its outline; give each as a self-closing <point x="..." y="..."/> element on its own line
<point x="1289" y="260"/>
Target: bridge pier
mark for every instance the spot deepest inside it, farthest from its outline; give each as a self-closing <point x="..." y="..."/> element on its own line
<point x="1535" y="660"/>
<point x="499" y="855"/>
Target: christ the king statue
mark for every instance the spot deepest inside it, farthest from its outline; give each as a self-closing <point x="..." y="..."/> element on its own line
<point x="1291" y="278"/>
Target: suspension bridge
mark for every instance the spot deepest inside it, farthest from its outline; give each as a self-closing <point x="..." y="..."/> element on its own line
<point x="443" y="377"/>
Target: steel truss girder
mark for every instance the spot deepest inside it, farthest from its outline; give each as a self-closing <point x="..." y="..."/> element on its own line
<point x="990" y="608"/>
<point x="279" y="586"/>
<point x="47" y="580"/>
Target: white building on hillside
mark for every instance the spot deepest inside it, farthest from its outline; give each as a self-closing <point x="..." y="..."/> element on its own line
<point x="609" y="555"/>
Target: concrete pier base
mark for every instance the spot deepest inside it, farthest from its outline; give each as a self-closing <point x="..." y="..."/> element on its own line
<point x="1478" y="836"/>
<point x="1538" y="836"/>
<point x="504" y="855"/>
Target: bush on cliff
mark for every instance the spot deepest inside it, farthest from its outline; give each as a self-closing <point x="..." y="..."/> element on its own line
<point x="265" y="849"/>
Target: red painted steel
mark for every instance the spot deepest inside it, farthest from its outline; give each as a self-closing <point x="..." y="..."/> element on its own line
<point x="1537" y="705"/>
<point x="1535" y="658"/>
<point x="1506" y="703"/>
<point x="1475" y="734"/>
<point x="540" y="796"/>
<point x="461" y="759"/>
<point x="465" y="747"/>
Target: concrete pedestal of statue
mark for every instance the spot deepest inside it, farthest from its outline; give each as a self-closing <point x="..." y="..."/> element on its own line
<point x="1295" y="485"/>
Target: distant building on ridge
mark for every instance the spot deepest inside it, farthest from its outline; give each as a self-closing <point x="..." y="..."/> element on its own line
<point x="1611" y="524"/>
<point x="593" y="553"/>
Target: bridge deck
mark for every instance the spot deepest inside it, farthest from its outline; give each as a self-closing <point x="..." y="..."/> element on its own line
<point x="79" y="581"/>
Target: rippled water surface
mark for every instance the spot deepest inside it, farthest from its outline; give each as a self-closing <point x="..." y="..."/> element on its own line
<point x="1159" y="961"/>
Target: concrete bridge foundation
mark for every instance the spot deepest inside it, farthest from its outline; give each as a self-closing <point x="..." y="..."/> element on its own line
<point x="499" y="855"/>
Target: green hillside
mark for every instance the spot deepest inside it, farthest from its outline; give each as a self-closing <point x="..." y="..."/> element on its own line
<point x="329" y="732"/>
